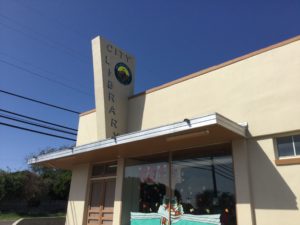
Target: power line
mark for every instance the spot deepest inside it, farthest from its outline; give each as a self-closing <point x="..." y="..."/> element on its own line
<point x="32" y="118"/>
<point x="40" y="102"/>
<point x="42" y="69"/>
<point x="206" y="168"/>
<point x="223" y="172"/>
<point x="43" y="77"/>
<point x="54" y="19"/>
<point x="225" y="168"/>
<point x="48" y="42"/>
<point x="44" y="36"/>
<point x="35" y="131"/>
<point x="224" y="176"/>
<point x="35" y="124"/>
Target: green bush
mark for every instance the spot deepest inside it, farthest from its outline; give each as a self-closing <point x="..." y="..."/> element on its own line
<point x="2" y="184"/>
<point x="35" y="185"/>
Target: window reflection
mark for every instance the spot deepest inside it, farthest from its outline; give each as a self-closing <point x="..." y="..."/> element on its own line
<point x="205" y="186"/>
<point x="145" y="185"/>
<point x="200" y="190"/>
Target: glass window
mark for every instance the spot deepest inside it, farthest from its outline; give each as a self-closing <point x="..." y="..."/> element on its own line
<point x="200" y="189"/>
<point x="204" y="186"/>
<point x="297" y="144"/>
<point x="288" y="146"/>
<point x="145" y="187"/>
<point x="285" y="146"/>
<point x="102" y="170"/>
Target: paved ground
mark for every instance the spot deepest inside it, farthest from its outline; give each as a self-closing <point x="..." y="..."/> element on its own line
<point x="43" y="221"/>
<point x="37" y="221"/>
<point x="7" y="222"/>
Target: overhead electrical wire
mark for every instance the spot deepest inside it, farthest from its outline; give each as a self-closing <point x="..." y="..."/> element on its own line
<point x="225" y="168"/>
<point x="78" y="84"/>
<point x="38" y="74"/>
<point x="56" y="21"/>
<point x="194" y="165"/>
<point x="43" y="15"/>
<point x="35" y="124"/>
<point x="38" y="101"/>
<point x="43" y="77"/>
<point x="36" y="131"/>
<point x="35" y="119"/>
<point x="78" y="53"/>
<point x="223" y="173"/>
<point x="48" y="42"/>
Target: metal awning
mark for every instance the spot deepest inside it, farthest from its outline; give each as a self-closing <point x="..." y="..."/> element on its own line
<point x="201" y="131"/>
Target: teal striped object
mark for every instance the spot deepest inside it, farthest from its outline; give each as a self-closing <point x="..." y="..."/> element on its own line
<point x="186" y="219"/>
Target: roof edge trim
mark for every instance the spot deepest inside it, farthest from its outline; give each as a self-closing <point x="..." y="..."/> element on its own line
<point x="218" y="66"/>
<point x="87" y="112"/>
<point x="185" y="125"/>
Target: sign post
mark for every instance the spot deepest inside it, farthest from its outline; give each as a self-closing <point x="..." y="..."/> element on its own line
<point x="114" y="83"/>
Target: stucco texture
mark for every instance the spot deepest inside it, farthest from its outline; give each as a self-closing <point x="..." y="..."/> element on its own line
<point x="261" y="90"/>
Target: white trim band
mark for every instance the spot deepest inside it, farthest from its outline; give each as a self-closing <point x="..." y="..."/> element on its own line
<point x="212" y="119"/>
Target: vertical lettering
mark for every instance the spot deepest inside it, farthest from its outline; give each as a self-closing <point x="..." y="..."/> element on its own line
<point x="109" y="48"/>
<point x="121" y="54"/>
<point x="106" y="60"/>
<point x="113" y="123"/>
<point x="111" y="97"/>
<point x="127" y="57"/>
<point x="109" y="72"/>
<point x="112" y="110"/>
<point x="109" y="84"/>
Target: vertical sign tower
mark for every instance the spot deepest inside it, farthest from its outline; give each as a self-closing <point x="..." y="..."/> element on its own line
<point x="114" y="83"/>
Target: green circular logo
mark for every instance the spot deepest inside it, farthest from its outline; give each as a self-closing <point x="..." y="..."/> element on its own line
<point x="123" y="73"/>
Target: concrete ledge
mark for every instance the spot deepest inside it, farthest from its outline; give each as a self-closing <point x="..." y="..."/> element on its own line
<point x="291" y="161"/>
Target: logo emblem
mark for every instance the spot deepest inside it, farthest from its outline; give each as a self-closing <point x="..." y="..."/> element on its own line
<point x="123" y="73"/>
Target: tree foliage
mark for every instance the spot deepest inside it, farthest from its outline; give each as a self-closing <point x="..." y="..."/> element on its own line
<point x="35" y="185"/>
<point x="56" y="180"/>
<point x="2" y="184"/>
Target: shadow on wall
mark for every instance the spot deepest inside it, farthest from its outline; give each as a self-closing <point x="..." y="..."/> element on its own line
<point x="269" y="189"/>
<point x="136" y="112"/>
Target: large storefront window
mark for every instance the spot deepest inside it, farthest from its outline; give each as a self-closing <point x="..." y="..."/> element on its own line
<point x="182" y="188"/>
<point x="146" y="183"/>
<point x="204" y="186"/>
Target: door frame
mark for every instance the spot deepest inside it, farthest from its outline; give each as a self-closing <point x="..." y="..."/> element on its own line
<point x="93" y="179"/>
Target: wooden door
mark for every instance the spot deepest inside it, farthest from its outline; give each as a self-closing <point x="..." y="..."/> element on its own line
<point x="101" y="203"/>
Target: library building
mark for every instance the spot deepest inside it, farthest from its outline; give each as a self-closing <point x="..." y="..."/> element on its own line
<point x="217" y="147"/>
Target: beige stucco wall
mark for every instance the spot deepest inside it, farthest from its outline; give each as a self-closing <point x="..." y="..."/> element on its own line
<point x="118" y="193"/>
<point x="260" y="90"/>
<point x="276" y="189"/>
<point x="111" y="111"/>
<point x="78" y="195"/>
<point x="87" y="129"/>
<point x="266" y="194"/>
<point x="244" y="202"/>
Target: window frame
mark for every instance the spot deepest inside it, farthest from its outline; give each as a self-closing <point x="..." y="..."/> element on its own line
<point x="290" y="159"/>
<point x="216" y="151"/>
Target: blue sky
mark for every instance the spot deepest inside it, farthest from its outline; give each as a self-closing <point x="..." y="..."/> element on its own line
<point x="170" y="39"/>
